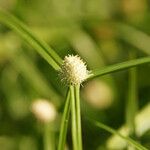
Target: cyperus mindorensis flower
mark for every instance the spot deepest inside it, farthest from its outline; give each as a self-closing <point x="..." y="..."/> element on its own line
<point x="73" y="70"/>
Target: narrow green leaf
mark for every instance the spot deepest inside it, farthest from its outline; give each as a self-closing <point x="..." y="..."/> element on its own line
<point x="119" y="66"/>
<point x="40" y="46"/>
<point x="111" y="130"/>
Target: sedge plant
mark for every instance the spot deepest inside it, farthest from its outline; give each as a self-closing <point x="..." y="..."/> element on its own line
<point x="73" y="72"/>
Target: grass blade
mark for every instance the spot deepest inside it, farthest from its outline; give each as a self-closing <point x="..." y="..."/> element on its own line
<point x="42" y="48"/>
<point x="119" y="66"/>
<point x="109" y="129"/>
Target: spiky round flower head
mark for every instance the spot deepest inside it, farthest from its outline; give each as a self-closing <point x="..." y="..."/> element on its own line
<point x="73" y="70"/>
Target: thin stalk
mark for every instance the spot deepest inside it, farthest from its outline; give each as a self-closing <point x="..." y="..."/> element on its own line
<point x="74" y="123"/>
<point x="132" y="103"/>
<point x="48" y="138"/>
<point x="119" y="66"/>
<point x="78" y="114"/>
<point x="64" y="123"/>
<point x="111" y="130"/>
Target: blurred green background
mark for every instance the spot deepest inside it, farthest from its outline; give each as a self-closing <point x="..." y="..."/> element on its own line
<point x="102" y="32"/>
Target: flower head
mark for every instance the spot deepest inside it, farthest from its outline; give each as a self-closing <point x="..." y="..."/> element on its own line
<point x="73" y="70"/>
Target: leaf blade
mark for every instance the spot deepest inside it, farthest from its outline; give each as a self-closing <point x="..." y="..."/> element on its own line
<point x="111" y="130"/>
<point x="40" y="46"/>
<point x="119" y="66"/>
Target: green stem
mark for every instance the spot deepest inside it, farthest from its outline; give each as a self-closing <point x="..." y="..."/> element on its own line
<point x="132" y="103"/>
<point x="64" y="123"/>
<point x="119" y="66"/>
<point x="78" y="114"/>
<point x="74" y="123"/>
<point x="48" y="137"/>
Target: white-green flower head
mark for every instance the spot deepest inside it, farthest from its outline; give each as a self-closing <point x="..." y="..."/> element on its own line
<point x="73" y="70"/>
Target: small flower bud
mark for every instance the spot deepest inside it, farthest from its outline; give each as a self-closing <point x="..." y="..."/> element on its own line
<point x="44" y="110"/>
<point x="73" y="70"/>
